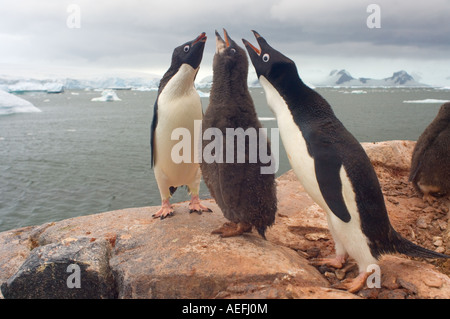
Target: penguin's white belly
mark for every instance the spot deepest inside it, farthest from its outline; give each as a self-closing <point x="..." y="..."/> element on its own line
<point x="175" y="114"/>
<point x="348" y="236"/>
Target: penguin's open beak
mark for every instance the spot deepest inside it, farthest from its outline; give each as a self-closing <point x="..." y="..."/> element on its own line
<point x="222" y="45"/>
<point x="225" y="42"/>
<point x="201" y="38"/>
<point x="260" y="40"/>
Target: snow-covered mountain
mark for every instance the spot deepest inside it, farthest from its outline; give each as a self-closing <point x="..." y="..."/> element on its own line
<point x="344" y="79"/>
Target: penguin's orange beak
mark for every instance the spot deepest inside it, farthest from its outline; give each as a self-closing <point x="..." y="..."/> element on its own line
<point x="201" y="38"/>
<point x="246" y="43"/>
<point x="227" y="41"/>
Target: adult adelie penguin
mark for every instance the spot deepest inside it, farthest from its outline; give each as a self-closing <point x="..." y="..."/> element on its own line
<point x="331" y="165"/>
<point x="246" y="196"/>
<point x="430" y="163"/>
<point x="177" y="105"/>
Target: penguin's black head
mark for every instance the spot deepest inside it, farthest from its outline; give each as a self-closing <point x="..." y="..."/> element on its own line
<point x="229" y="58"/>
<point x="189" y="53"/>
<point x="270" y="63"/>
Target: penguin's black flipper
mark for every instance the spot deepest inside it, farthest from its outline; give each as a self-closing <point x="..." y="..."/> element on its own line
<point x="327" y="166"/>
<point x="152" y="132"/>
<point x="327" y="169"/>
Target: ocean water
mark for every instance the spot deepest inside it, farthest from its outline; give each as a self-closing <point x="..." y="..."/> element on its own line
<point x="79" y="157"/>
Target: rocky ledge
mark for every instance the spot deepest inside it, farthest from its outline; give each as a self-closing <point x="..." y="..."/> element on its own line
<point x="127" y="254"/>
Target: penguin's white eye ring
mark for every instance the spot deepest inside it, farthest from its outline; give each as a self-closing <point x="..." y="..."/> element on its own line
<point x="186" y="48"/>
<point x="266" y="57"/>
<point x="233" y="50"/>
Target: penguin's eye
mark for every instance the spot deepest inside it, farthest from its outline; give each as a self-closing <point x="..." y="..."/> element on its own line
<point x="186" y="48"/>
<point x="266" y="57"/>
<point x="233" y="50"/>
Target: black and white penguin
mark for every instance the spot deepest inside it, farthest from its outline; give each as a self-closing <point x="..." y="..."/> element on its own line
<point x="331" y="165"/>
<point x="246" y="197"/>
<point x="430" y="163"/>
<point x="177" y="105"/>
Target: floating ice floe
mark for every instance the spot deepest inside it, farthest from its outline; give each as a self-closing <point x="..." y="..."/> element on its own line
<point x="354" y="92"/>
<point x="10" y="104"/>
<point x="262" y="119"/>
<point x="426" y="101"/>
<point x="107" y="96"/>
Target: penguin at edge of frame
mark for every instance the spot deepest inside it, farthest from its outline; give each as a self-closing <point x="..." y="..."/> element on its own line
<point x="430" y="162"/>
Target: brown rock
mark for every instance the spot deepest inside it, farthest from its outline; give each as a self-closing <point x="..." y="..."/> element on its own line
<point x="424" y="277"/>
<point x="179" y="258"/>
<point x="391" y="154"/>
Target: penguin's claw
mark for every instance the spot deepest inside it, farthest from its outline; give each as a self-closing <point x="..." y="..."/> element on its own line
<point x="230" y="229"/>
<point x="164" y="211"/>
<point x="196" y="207"/>
<point x="353" y="285"/>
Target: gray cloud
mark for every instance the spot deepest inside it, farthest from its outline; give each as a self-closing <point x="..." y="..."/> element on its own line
<point x="140" y="34"/>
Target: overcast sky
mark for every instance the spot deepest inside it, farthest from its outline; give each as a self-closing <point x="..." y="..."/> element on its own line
<point x="139" y="35"/>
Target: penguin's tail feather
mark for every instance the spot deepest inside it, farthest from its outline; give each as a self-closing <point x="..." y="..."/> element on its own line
<point x="404" y="246"/>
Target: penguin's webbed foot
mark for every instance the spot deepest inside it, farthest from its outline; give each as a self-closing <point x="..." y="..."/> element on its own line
<point x="166" y="210"/>
<point x="231" y="229"/>
<point x="353" y="285"/>
<point x="336" y="262"/>
<point x="196" y="207"/>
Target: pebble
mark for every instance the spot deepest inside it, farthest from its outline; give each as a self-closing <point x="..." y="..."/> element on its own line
<point x="340" y="274"/>
<point x="407" y="285"/>
<point x="330" y="275"/>
<point x="433" y="282"/>
<point x="315" y="236"/>
<point x="394" y="294"/>
<point x="421" y="223"/>
<point x="442" y="224"/>
<point x="390" y="283"/>
<point x="437" y="241"/>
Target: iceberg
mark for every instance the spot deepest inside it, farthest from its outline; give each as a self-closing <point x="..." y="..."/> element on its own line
<point x="107" y="96"/>
<point x="427" y="101"/>
<point x="54" y="87"/>
<point x="27" y="86"/>
<point x="10" y="104"/>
